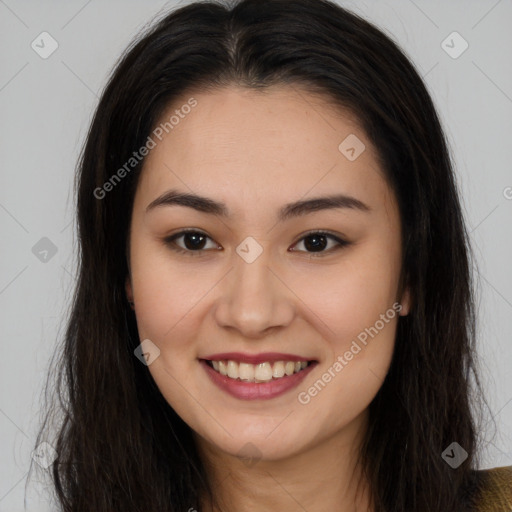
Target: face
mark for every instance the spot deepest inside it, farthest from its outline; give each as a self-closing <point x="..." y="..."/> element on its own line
<point x="262" y="283"/>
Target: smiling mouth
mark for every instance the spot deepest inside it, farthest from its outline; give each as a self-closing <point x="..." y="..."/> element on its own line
<point x="258" y="373"/>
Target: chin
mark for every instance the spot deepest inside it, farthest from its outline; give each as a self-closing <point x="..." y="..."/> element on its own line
<point x="262" y="447"/>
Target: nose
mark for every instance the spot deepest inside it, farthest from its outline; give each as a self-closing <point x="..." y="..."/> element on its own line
<point x="254" y="299"/>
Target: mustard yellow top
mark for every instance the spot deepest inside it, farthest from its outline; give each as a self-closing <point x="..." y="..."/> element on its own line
<point x="495" y="490"/>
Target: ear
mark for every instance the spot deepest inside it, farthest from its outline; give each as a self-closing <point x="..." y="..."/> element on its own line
<point x="128" y="289"/>
<point x="406" y="302"/>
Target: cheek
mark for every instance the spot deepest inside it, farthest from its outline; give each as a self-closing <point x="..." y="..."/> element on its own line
<point x="166" y="297"/>
<point x="350" y="296"/>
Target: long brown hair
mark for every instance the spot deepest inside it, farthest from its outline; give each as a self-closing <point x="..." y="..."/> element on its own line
<point x="120" y="445"/>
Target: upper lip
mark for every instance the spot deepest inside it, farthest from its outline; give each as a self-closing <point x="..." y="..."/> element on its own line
<point x="263" y="357"/>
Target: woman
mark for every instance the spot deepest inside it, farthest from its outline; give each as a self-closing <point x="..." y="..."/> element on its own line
<point x="211" y="363"/>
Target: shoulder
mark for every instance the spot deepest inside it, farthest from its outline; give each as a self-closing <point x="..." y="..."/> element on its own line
<point x="493" y="488"/>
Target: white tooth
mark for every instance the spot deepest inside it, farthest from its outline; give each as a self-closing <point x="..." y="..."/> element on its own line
<point x="233" y="369"/>
<point x="222" y="368"/>
<point x="289" y="367"/>
<point x="263" y="372"/>
<point x="278" y="370"/>
<point x="246" y="372"/>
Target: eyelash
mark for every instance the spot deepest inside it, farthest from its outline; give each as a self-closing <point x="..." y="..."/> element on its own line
<point x="169" y="241"/>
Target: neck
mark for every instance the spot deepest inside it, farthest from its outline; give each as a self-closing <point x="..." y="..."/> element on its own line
<point x="324" y="476"/>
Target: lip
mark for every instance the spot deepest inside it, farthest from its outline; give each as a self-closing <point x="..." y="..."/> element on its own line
<point x="263" y="357"/>
<point x="253" y="390"/>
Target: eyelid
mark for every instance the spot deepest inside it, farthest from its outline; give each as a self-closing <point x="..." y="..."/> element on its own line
<point x="341" y="242"/>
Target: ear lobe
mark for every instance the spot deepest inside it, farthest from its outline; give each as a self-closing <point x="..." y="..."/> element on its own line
<point x="128" y="289"/>
<point x="406" y="302"/>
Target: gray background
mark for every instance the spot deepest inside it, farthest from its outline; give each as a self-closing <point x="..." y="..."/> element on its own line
<point x="46" y="106"/>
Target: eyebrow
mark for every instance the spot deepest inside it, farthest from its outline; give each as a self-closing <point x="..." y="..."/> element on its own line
<point x="295" y="209"/>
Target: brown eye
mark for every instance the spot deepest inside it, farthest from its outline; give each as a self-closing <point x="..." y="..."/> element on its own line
<point x="318" y="241"/>
<point x="193" y="242"/>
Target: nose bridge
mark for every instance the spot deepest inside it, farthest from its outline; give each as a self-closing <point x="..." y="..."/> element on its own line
<point x="253" y="299"/>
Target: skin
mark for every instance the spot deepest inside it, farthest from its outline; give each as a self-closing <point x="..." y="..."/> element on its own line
<point x="257" y="151"/>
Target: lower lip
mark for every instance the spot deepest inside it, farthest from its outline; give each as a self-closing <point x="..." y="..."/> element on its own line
<point x="256" y="390"/>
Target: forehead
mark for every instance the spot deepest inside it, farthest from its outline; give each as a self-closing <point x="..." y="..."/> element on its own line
<point x="261" y="144"/>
